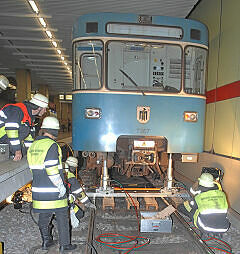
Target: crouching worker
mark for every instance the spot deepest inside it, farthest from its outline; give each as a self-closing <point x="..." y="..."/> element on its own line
<point x="76" y="192"/>
<point x="208" y="207"/>
<point x="48" y="190"/>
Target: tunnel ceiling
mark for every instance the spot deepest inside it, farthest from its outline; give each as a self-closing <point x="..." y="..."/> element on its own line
<point x="24" y="43"/>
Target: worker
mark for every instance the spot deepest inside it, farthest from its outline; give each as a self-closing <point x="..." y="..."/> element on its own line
<point x="208" y="207"/>
<point x="76" y="192"/>
<point x="48" y="189"/>
<point x="17" y="123"/>
<point x="4" y="83"/>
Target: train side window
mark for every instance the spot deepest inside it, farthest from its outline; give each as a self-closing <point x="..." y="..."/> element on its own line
<point x="195" y="70"/>
<point x="87" y="67"/>
<point x="90" y="71"/>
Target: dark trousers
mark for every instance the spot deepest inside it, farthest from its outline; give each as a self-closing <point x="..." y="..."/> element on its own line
<point x="62" y="219"/>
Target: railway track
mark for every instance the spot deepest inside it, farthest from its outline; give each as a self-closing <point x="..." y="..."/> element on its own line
<point x="117" y="211"/>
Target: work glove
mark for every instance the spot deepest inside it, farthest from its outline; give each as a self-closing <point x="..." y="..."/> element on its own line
<point x="62" y="190"/>
<point x="74" y="220"/>
<point x="90" y="205"/>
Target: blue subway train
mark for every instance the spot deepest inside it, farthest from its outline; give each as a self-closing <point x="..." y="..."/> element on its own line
<point x="139" y="90"/>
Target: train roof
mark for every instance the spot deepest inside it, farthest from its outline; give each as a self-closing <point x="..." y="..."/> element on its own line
<point x="103" y="18"/>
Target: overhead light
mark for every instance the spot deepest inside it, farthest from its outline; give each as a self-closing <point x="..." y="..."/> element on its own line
<point x="65" y="63"/>
<point x="68" y="68"/>
<point x="59" y="51"/>
<point x="49" y="34"/>
<point x="34" y="6"/>
<point x="42" y="21"/>
<point x="62" y="57"/>
<point x="54" y="44"/>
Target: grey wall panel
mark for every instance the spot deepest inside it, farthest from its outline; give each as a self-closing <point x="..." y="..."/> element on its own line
<point x="13" y="175"/>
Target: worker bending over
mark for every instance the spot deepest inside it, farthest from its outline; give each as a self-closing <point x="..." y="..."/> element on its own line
<point x="48" y="190"/>
<point x="76" y="192"/>
<point x="208" y="206"/>
<point x="17" y="123"/>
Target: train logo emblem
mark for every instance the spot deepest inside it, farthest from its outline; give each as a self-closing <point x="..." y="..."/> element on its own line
<point x="143" y="114"/>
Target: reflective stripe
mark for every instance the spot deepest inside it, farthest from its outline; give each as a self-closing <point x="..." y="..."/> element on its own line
<point x="50" y="204"/>
<point x="211" y="229"/>
<point x="29" y="138"/>
<point x="77" y="191"/>
<point x="16" y="125"/>
<point x="42" y="189"/>
<point x="52" y="171"/>
<point x="56" y="179"/>
<point x="187" y="206"/>
<point x="51" y="162"/>
<point x="12" y="133"/>
<point x="71" y="198"/>
<point x="27" y="144"/>
<point x="15" y="142"/>
<point x="75" y="209"/>
<point x="2" y="131"/>
<point x="2" y="114"/>
<point x="212" y="211"/>
<point x="194" y="192"/>
<point x="36" y="167"/>
<point x="84" y="199"/>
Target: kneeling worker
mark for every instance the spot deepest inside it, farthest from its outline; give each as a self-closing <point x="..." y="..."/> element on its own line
<point x="76" y="192"/>
<point x="208" y="208"/>
<point x="48" y="190"/>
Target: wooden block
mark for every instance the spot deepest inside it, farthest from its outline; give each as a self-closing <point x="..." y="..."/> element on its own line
<point x="177" y="201"/>
<point x="108" y="203"/>
<point x="129" y="203"/>
<point x="151" y="204"/>
<point x="165" y="212"/>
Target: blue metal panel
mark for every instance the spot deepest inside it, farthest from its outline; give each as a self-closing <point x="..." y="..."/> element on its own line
<point x="79" y="29"/>
<point x="119" y="117"/>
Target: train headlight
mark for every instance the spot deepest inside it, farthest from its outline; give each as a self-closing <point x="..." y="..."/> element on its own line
<point x="190" y="116"/>
<point x="93" y="113"/>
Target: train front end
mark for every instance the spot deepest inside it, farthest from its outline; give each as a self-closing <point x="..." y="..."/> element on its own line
<point x="135" y="101"/>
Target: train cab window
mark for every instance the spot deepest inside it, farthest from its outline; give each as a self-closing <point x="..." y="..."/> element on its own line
<point x="141" y="66"/>
<point x="195" y="70"/>
<point x="88" y="65"/>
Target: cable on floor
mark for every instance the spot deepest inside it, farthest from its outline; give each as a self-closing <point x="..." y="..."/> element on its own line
<point x="116" y="245"/>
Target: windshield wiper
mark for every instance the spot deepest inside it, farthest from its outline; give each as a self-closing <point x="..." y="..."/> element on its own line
<point x="126" y="75"/>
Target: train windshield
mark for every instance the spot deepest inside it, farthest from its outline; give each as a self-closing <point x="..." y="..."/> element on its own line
<point x="144" y="66"/>
<point x="88" y="64"/>
<point x="195" y="70"/>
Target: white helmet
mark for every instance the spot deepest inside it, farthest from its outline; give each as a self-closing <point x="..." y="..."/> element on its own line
<point x="50" y="122"/>
<point x="39" y="100"/>
<point x="72" y="161"/>
<point x="206" y="180"/>
<point x="4" y="83"/>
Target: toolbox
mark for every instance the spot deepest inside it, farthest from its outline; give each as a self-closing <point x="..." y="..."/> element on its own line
<point x="150" y="223"/>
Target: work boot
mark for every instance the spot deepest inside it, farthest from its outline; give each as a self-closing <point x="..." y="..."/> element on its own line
<point x="47" y="243"/>
<point x="47" y="239"/>
<point x="69" y="247"/>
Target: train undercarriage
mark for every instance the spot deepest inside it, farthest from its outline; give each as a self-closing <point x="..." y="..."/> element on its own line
<point x="135" y="156"/>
